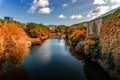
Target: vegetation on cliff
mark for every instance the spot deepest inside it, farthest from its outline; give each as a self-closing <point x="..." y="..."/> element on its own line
<point x="76" y="30"/>
<point x="38" y="32"/>
<point x="16" y="39"/>
<point x="104" y="48"/>
<point x="110" y="44"/>
<point x="60" y="29"/>
<point x="13" y="42"/>
<point x="76" y="33"/>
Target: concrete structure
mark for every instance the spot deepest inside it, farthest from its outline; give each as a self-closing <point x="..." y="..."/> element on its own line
<point x="94" y="26"/>
<point x="51" y="26"/>
<point x="8" y="18"/>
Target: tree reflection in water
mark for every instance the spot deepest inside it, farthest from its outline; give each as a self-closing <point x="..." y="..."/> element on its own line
<point x="16" y="74"/>
<point x="92" y="69"/>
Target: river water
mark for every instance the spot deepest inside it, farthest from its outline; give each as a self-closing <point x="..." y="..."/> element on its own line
<point x="54" y="61"/>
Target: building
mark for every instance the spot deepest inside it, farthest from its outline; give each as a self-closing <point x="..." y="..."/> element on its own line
<point x="8" y="18"/>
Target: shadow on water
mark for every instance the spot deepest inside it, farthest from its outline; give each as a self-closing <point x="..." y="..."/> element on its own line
<point x="16" y="74"/>
<point x="92" y="69"/>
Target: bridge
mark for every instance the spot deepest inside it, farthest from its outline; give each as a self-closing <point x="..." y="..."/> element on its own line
<point x="94" y="26"/>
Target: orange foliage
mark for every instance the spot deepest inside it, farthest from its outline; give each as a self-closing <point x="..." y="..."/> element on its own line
<point x="76" y="33"/>
<point x="13" y="42"/>
<point x="37" y="32"/>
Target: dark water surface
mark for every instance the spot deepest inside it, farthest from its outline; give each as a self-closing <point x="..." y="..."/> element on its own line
<point x="53" y="61"/>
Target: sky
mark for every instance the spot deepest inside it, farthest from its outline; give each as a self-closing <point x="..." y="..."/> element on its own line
<point x="55" y="12"/>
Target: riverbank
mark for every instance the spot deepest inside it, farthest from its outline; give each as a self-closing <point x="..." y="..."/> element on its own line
<point x="17" y="39"/>
<point x="104" y="48"/>
<point x="15" y="42"/>
<point x="37" y="33"/>
<point x="53" y="60"/>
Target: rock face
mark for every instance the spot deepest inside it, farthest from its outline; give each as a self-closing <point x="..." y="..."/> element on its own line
<point x="105" y="49"/>
<point x="110" y="44"/>
<point x="75" y="40"/>
<point x="90" y="46"/>
<point x="76" y="36"/>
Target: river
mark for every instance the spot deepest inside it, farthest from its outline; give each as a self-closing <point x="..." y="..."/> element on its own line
<point x="54" y="61"/>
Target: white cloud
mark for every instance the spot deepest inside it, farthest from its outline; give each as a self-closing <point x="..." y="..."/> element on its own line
<point x="45" y="10"/>
<point x="88" y="15"/>
<point x="61" y="16"/>
<point x="33" y="7"/>
<point x="65" y="5"/>
<point x="93" y="17"/>
<point x="115" y="6"/>
<point x="76" y="17"/>
<point x="99" y="2"/>
<point x="40" y="3"/>
<point x="100" y="10"/>
<point x="74" y="1"/>
<point x="43" y="3"/>
<point x="112" y="1"/>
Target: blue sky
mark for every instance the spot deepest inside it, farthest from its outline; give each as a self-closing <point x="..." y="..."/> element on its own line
<point x="56" y="12"/>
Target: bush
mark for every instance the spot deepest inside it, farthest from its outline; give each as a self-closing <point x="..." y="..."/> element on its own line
<point x="13" y="42"/>
<point x="37" y="30"/>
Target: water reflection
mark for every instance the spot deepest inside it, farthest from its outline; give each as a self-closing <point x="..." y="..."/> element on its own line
<point x="52" y="61"/>
<point x="63" y="47"/>
<point x="92" y="69"/>
<point x="60" y="65"/>
<point x="77" y="56"/>
<point x="16" y="74"/>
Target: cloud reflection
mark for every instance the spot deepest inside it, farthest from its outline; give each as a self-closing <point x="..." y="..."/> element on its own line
<point x="43" y="54"/>
<point x="63" y="47"/>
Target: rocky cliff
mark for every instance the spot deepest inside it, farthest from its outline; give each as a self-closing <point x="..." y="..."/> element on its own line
<point x="105" y="48"/>
<point x="110" y="44"/>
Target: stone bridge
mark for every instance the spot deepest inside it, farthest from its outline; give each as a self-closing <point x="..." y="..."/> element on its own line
<point x="94" y="26"/>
